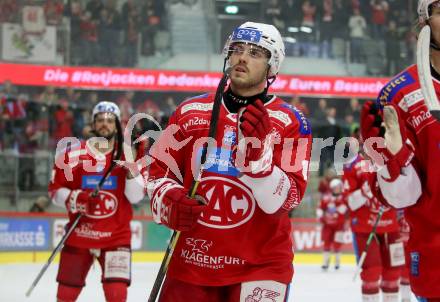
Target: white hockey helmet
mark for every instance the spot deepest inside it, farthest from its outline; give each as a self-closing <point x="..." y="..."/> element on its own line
<point x="423" y="9"/>
<point x="263" y="35"/>
<point x="105" y="106"/>
<point x="335" y="183"/>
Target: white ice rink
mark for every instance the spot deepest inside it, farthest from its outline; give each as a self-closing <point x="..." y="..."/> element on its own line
<point x="309" y="284"/>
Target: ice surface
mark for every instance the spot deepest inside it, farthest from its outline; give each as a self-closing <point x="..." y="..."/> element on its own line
<point x="310" y="284"/>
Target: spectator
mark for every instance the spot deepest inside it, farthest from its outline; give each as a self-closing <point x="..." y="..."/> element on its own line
<point x="354" y="109"/>
<point x="74" y="12"/>
<point x="53" y="11"/>
<point x="379" y="10"/>
<point x="330" y="129"/>
<point x="125" y="103"/>
<point x="108" y="35"/>
<point x="392" y="42"/>
<point x="8" y="11"/>
<point x="63" y="118"/>
<point x="40" y="205"/>
<point x="13" y="115"/>
<point x="131" y="36"/>
<point x="28" y="144"/>
<point x="357" y="26"/>
<point x="89" y="40"/>
<point x="150" y="22"/>
<point x="273" y="14"/>
<point x="327" y="29"/>
<point x="95" y="7"/>
<point x="319" y="115"/>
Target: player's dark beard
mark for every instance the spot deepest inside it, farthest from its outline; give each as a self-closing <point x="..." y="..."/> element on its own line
<point x="107" y="137"/>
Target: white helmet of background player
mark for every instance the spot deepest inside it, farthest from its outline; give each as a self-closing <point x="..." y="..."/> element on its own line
<point x="423" y="9"/>
<point x="106" y="107"/>
<point x="263" y="35"/>
<point x="336" y="186"/>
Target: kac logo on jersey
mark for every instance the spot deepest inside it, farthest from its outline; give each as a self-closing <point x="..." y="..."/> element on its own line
<point x="230" y="203"/>
<point x="104" y="206"/>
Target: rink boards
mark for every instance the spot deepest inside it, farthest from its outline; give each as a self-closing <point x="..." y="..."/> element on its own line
<point x="28" y="238"/>
<point x="155" y="257"/>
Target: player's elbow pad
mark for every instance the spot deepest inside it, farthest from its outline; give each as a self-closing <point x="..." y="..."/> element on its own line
<point x="356" y="200"/>
<point x="404" y="191"/>
<point x="60" y="197"/>
<point x="156" y="190"/>
<point x="274" y="191"/>
<point x="135" y="189"/>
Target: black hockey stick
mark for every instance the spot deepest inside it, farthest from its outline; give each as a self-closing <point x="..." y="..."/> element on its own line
<point x="424" y="72"/>
<point x="175" y="236"/>
<point x="370" y="238"/>
<point x="60" y="245"/>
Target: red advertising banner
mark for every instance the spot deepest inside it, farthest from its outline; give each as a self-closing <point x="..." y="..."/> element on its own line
<point x="306" y="236"/>
<point x="191" y="81"/>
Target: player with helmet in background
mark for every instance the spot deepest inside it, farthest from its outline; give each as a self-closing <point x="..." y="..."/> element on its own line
<point x="331" y="212"/>
<point x="384" y="259"/>
<point x="237" y="246"/>
<point x="408" y="176"/>
<point x="103" y="232"/>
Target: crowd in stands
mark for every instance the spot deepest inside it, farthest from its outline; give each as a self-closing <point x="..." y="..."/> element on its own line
<point x="317" y="26"/>
<point x="112" y="32"/>
<point x="35" y="118"/>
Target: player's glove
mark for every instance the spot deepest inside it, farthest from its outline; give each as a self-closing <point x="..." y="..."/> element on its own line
<point x="80" y="201"/>
<point x="254" y="124"/>
<point x="179" y="211"/>
<point x="371" y="121"/>
<point x="396" y="153"/>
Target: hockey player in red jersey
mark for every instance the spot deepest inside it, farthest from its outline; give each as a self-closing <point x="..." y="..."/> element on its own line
<point x="239" y="244"/>
<point x="103" y="231"/>
<point x="408" y="175"/>
<point x="331" y="212"/>
<point x="382" y="266"/>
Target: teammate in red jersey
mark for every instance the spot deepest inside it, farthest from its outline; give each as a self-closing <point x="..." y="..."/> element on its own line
<point x="331" y="213"/>
<point x="409" y="177"/>
<point x="238" y="246"/>
<point x="104" y="230"/>
<point x="382" y="266"/>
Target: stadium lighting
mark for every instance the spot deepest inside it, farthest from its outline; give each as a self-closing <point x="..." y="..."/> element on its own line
<point x="306" y="29"/>
<point x="293" y="29"/>
<point x="231" y="9"/>
<point x="289" y="40"/>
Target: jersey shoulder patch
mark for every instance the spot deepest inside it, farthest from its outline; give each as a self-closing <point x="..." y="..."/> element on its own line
<point x="198" y="103"/>
<point x="304" y="124"/>
<point x="396" y="84"/>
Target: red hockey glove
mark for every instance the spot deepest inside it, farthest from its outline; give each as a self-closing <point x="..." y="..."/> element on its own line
<point x="371" y="121"/>
<point x="79" y="201"/>
<point x="179" y="211"/>
<point x="255" y="124"/>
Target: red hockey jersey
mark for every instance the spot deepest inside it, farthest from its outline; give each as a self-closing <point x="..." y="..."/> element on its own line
<point x="234" y="240"/>
<point x="423" y="131"/>
<point x="364" y="206"/>
<point x="109" y="224"/>
<point x="334" y="209"/>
